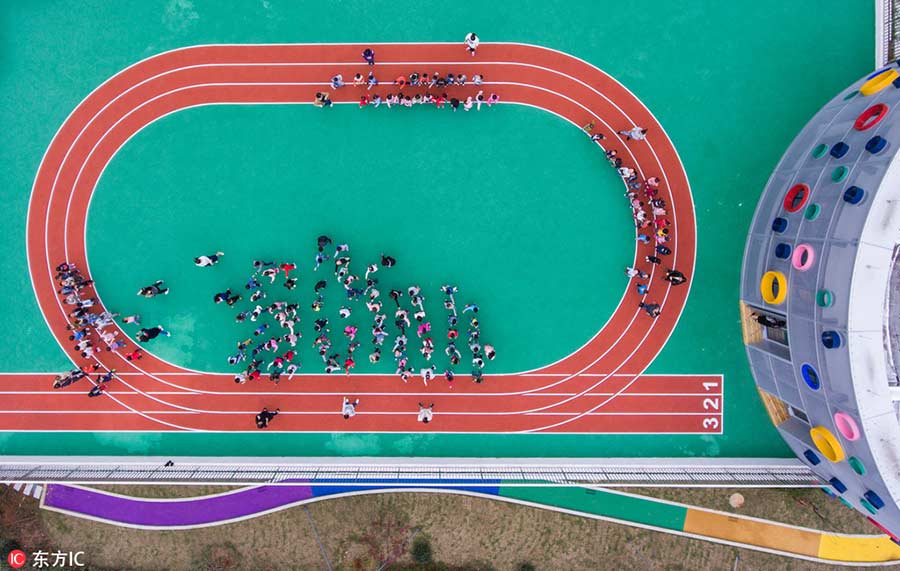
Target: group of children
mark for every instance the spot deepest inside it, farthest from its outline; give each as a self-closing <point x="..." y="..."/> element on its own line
<point x="86" y="324"/>
<point x="358" y="288"/>
<point x="87" y="327"/>
<point x="423" y="330"/>
<point x="424" y="80"/>
<point x="361" y="287"/>
<point x="648" y="210"/>
<point x="413" y="80"/>
<point x="285" y="314"/>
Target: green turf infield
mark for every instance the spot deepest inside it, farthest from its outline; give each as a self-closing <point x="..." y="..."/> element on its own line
<point x="455" y="197"/>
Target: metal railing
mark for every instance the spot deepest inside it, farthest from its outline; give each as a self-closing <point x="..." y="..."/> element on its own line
<point x="887" y="31"/>
<point x="787" y="473"/>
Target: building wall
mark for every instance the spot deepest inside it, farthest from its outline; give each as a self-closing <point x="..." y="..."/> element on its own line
<point x="831" y="358"/>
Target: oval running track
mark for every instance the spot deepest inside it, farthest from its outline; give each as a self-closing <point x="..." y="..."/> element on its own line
<point x="599" y="388"/>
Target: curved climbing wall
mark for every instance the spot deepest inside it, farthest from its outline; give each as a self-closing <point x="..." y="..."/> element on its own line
<point x="815" y="295"/>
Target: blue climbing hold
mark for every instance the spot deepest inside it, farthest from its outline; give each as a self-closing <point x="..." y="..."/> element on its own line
<point x="838" y="485"/>
<point x="876" y="144"/>
<point x="831" y="339"/>
<point x="874" y="499"/>
<point x="839" y="149"/>
<point x="854" y="195"/>
<point x="814" y="460"/>
<point x="783" y="251"/>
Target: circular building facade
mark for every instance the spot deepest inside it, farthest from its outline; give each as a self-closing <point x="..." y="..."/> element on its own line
<point x="820" y="297"/>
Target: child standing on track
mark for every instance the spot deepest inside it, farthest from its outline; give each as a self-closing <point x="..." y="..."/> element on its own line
<point x="265" y="416"/>
<point x="634" y="134"/>
<point x="652" y="309"/>
<point x="349" y="408"/>
<point x="426" y="413"/>
<point x="472" y="42"/>
<point x="675" y="277"/>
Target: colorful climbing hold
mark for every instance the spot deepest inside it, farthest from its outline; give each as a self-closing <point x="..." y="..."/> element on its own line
<point x="796" y="197"/>
<point x="854" y="195"/>
<point x="828" y="445"/>
<point x="773" y="287"/>
<point x="810" y="375"/>
<point x="879" y="82"/>
<point x="870" y="117"/>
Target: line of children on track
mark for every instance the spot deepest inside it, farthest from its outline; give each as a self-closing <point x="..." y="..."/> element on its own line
<point x="415" y="83"/>
<point x="87" y="327"/>
<point x="649" y="212"/>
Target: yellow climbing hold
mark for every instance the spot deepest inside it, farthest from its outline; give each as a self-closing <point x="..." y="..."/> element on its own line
<point x="879" y="82"/>
<point x="773" y="287"/>
<point x="827" y="444"/>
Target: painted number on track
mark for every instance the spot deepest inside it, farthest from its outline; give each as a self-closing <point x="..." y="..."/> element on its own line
<point x="711" y="403"/>
<point x="710" y="386"/>
<point x="711" y="422"/>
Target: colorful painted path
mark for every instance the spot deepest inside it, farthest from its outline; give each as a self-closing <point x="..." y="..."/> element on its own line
<point x="618" y="507"/>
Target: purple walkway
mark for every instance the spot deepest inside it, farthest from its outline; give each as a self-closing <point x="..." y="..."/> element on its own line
<point x="169" y="513"/>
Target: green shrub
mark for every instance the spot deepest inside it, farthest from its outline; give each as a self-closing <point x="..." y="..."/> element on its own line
<point x="421" y="550"/>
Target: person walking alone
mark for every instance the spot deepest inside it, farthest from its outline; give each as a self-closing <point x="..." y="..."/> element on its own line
<point x="153" y="290"/>
<point x="426" y="413"/>
<point x="265" y="416"/>
<point x="634" y="134"/>
<point x="349" y="408"/>
<point x="472" y="42"/>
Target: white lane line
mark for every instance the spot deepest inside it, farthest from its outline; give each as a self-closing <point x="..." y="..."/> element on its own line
<point x="377" y="413"/>
<point x="355" y="393"/>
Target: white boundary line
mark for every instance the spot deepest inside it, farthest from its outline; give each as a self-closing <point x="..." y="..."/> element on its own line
<point x="372" y="413"/>
<point x="291" y="434"/>
<point x="71" y="393"/>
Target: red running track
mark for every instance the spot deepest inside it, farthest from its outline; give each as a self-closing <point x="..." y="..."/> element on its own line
<point x="599" y="388"/>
